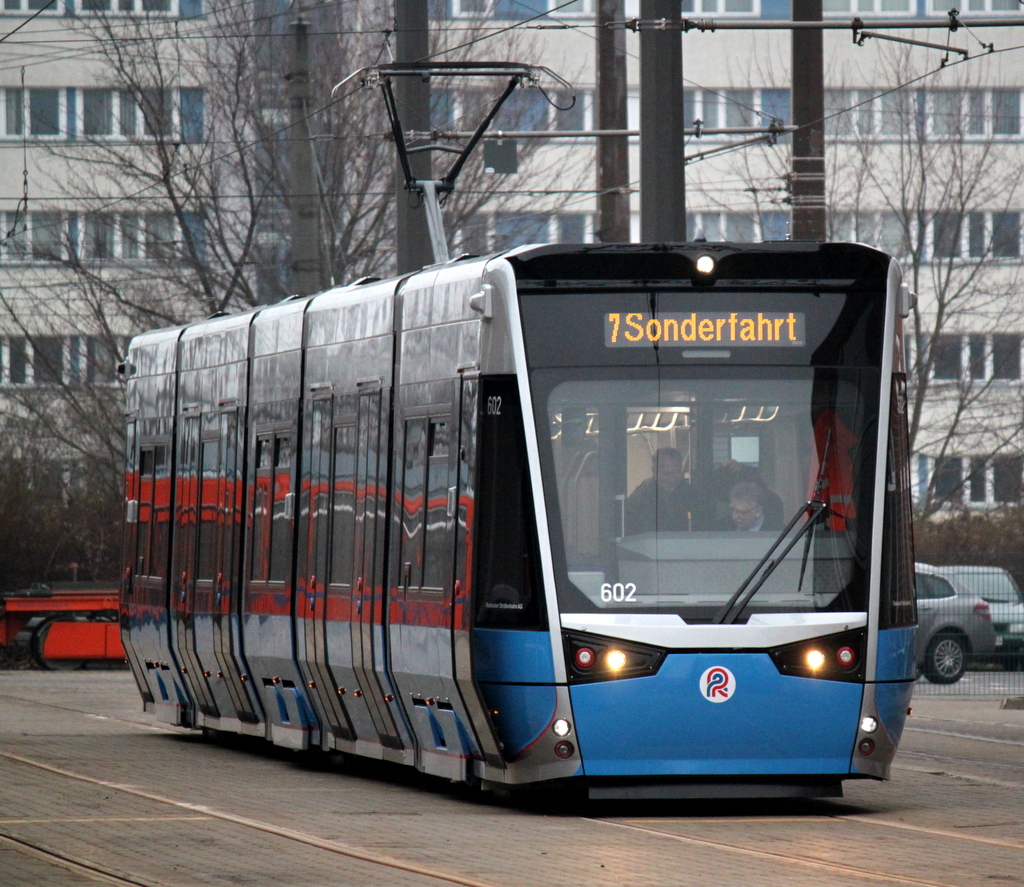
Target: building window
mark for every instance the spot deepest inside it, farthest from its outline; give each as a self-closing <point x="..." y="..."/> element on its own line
<point x="977" y="481"/>
<point x="44" y="112"/>
<point x="947" y="484"/>
<point x="857" y="7"/>
<point x="189" y="8"/>
<point x="160" y="236"/>
<point x="100" y="361"/>
<point x="1006" y="235"/>
<point x="947" y="357"/>
<point x="191" y="115"/>
<point x="14" y="112"/>
<point x="977" y="357"/>
<point x="97" y="112"/>
<point x="17" y="360"/>
<point x="572" y="227"/>
<point x="1006" y="478"/>
<point x="47" y="360"/>
<point x="849" y="113"/>
<point x="33" y="6"/>
<point x="127" y="116"/>
<point x="99" y="236"/>
<point x="722" y="7"/>
<point x="516" y="229"/>
<point x="473" y="238"/>
<point x="130" y="236"/>
<point x="157" y="112"/>
<point x="524" y="109"/>
<point x="15" y="241"/>
<point x="47" y="236"/>
<point x="1006" y="356"/>
<point x="939" y="7"/>
<point x="1005" y="112"/>
<point x="775" y="225"/>
<point x="517" y="10"/>
<point x="946" y="235"/>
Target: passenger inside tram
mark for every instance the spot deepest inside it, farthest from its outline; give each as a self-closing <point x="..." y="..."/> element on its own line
<point x="665" y="500"/>
<point x="675" y="491"/>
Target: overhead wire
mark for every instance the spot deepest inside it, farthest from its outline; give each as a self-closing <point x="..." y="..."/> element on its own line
<point x="234" y="151"/>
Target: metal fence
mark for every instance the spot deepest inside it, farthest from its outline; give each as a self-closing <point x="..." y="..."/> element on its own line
<point x="970" y="632"/>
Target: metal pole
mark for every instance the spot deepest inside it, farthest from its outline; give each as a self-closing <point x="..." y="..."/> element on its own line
<point x="662" y="182"/>
<point x="412" y="98"/>
<point x="304" y="268"/>
<point x="807" y="181"/>
<point x="612" y="152"/>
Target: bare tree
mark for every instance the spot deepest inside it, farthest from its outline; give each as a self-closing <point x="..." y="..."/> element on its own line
<point x="923" y="172"/>
<point x="176" y="197"/>
<point x="919" y="164"/>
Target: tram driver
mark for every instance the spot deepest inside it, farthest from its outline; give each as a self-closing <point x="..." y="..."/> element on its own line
<point x="748" y="509"/>
<point x="665" y="500"/>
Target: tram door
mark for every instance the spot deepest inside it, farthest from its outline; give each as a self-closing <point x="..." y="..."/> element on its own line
<point x="219" y="556"/>
<point x="369" y="596"/>
<point x="314" y="608"/>
<point x="129" y="609"/>
<point x="192" y="561"/>
<point x="428" y="595"/>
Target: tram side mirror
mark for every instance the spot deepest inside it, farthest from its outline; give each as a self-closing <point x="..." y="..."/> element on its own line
<point x="482" y="301"/>
<point x="907" y="300"/>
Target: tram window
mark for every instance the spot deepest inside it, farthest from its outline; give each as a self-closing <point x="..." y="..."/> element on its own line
<point x="413" y="493"/>
<point x="343" y="505"/>
<point x="261" y="509"/>
<point x="280" y="521"/>
<point x="507" y="554"/>
<point x="208" y="502"/>
<point x="670" y="490"/>
<point x="154" y="511"/>
<point x="145" y="522"/>
<point x="436" y="542"/>
<point x="160" y="531"/>
<point x="897" y="608"/>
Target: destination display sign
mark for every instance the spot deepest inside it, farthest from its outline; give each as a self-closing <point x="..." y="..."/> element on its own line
<point x="735" y="329"/>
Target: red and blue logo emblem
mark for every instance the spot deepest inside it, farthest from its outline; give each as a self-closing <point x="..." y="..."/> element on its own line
<point x="717" y="684"/>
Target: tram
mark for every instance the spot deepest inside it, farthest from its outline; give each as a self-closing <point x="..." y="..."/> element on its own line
<point x="636" y="517"/>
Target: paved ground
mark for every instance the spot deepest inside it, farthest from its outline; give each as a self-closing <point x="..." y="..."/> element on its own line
<point x="94" y="791"/>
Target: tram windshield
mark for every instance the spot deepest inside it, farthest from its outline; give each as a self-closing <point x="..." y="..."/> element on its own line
<point x="671" y="490"/>
<point x="682" y="436"/>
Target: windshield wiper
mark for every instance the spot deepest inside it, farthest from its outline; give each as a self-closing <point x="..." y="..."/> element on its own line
<point x="817" y="507"/>
<point x="741" y="597"/>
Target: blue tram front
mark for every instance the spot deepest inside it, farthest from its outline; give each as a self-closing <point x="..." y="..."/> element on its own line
<point x="634" y="515"/>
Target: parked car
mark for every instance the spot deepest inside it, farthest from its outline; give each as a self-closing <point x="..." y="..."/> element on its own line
<point x="1006" y="603"/>
<point x="954" y="625"/>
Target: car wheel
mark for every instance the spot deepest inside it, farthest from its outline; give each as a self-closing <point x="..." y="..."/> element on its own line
<point x="946" y="659"/>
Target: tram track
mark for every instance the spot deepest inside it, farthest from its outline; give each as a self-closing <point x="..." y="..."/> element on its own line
<point x="86" y="868"/>
<point x="653" y="829"/>
<point x="259" y="825"/>
<point x="92" y="869"/>
<point x="836" y="868"/>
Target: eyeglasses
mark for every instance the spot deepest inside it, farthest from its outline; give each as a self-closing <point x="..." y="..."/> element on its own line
<point x="743" y="512"/>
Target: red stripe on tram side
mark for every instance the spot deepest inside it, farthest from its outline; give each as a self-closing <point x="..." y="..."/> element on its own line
<point x="262" y="602"/>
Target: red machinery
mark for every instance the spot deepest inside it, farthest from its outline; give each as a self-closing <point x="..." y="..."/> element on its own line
<point x="66" y="625"/>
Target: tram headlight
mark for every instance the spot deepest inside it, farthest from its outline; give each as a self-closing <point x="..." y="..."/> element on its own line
<point x="561" y="727"/>
<point x="615" y="660"/>
<point x="590" y="657"/>
<point x="705" y="264"/>
<point x="835" y="657"/>
<point x="868" y="724"/>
